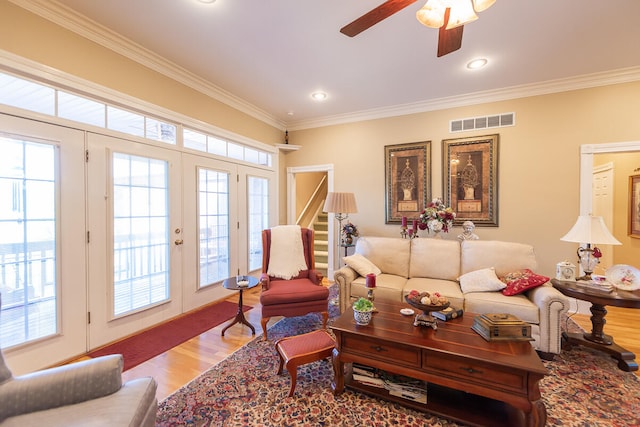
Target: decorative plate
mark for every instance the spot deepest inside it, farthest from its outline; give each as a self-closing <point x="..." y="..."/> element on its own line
<point x="623" y="277"/>
<point x="407" y="311"/>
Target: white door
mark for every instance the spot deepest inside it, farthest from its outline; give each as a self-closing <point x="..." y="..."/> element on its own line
<point x="210" y="231"/>
<point x="226" y="207"/>
<point x="42" y="243"/>
<point x="135" y="237"/>
<point x="603" y="206"/>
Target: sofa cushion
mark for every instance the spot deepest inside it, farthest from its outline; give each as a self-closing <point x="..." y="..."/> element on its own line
<point x="484" y="280"/>
<point x="390" y="254"/>
<point x="505" y="257"/>
<point x="388" y="287"/>
<point x="446" y="288"/>
<point x="360" y="264"/>
<point x="494" y="302"/>
<point x="435" y="258"/>
<point x="521" y="281"/>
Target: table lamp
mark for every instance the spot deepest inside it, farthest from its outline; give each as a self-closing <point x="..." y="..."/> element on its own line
<point x="590" y="230"/>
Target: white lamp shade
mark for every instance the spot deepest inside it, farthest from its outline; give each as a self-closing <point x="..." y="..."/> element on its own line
<point x="590" y="229"/>
<point x="431" y="14"/>
<point x="461" y="13"/>
<point x="343" y="203"/>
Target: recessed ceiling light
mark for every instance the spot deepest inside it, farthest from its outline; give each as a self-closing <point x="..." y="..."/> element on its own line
<point x="477" y="63"/>
<point x="319" y="96"/>
<point x="207" y="1"/>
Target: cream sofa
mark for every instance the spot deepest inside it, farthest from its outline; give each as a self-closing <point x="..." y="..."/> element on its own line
<point x="434" y="265"/>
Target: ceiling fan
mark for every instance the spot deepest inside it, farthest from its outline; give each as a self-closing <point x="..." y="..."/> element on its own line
<point x="449" y="16"/>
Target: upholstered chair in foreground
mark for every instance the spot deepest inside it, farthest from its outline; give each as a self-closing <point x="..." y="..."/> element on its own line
<point x="290" y="284"/>
<point x="87" y="393"/>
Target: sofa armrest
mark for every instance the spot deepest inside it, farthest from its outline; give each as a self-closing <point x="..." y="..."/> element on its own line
<point x="343" y="278"/>
<point x="553" y="306"/>
<point x="61" y="386"/>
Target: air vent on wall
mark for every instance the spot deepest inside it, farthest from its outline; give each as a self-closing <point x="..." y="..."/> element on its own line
<point x="484" y="122"/>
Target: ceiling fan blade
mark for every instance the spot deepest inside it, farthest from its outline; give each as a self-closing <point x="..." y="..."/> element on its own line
<point x="374" y="16"/>
<point x="449" y="40"/>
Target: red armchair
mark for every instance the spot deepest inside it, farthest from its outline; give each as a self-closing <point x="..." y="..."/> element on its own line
<point x="297" y="296"/>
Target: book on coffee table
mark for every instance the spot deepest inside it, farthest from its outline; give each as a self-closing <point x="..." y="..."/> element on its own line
<point x="448" y="313"/>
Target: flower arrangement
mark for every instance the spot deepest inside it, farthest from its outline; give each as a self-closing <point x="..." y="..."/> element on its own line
<point x="437" y="217"/>
<point x="350" y="230"/>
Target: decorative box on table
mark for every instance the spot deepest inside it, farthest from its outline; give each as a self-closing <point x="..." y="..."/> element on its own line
<point x="500" y="326"/>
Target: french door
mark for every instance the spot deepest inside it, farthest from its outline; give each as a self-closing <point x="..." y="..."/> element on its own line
<point x="42" y="243"/>
<point x="125" y="235"/>
<point x="135" y="236"/>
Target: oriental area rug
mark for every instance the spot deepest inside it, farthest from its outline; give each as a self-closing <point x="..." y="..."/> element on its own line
<point x="583" y="388"/>
<point x="154" y="341"/>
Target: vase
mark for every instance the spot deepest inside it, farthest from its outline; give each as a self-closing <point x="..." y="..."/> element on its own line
<point x="437" y="234"/>
<point x="348" y="240"/>
<point x="362" y="317"/>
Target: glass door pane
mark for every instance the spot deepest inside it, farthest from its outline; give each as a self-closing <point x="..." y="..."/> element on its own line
<point x="28" y="232"/>
<point x="258" y="213"/>
<point x="140" y="232"/>
<point x="213" y="225"/>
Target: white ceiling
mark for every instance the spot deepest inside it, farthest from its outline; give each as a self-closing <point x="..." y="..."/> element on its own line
<point x="273" y="54"/>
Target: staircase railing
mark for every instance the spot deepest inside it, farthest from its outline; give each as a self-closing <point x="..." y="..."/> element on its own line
<point x="313" y="205"/>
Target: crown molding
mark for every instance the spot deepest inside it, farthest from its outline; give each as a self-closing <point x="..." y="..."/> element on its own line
<point x="80" y="24"/>
<point x="624" y="75"/>
<point x="85" y="27"/>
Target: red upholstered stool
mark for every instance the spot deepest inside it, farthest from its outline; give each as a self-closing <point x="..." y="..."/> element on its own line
<point x="302" y="349"/>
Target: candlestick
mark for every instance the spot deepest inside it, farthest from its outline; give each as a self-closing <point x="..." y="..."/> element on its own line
<point x="370" y="280"/>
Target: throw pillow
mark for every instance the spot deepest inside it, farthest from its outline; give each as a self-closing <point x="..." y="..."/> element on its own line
<point x="362" y="265"/>
<point x="484" y="280"/>
<point x="521" y="281"/>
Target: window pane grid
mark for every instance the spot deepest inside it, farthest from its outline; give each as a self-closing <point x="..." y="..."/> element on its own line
<point x="140" y="232"/>
<point x="213" y="223"/>
<point x="28" y="263"/>
<point x="258" y="207"/>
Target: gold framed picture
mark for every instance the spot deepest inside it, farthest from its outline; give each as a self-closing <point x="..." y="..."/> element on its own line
<point x="634" y="206"/>
<point x="407" y="180"/>
<point x="470" y="181"/>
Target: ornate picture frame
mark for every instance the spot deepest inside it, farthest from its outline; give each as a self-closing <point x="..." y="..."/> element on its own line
<point x="470" y="178"/>
<point x="634" y="206"/>
<point x="407" y="180"/>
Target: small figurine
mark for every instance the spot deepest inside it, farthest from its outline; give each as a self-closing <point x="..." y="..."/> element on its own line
<point x="467" y="233"/>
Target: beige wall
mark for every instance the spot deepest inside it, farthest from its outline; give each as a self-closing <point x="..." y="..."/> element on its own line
<point x="624" y="165"/>
<point x="539" y="160"/>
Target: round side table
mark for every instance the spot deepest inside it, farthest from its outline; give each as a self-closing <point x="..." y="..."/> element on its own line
<point x="597" y="339"/>
<point x="232" y="284"/>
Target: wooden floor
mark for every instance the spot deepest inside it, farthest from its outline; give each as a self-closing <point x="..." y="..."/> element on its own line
<point x="183" y="363"/>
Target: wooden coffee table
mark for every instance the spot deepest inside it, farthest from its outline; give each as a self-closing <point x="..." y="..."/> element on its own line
<point x="469" y="379"/>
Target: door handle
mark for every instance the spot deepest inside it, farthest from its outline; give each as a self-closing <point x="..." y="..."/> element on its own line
<point x="179" y="242"/>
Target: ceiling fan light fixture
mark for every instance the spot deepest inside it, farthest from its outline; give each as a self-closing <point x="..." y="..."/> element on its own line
<point x="431" y="14"/>
<point x="461" y="13"/>
<point x="482" y="5"/>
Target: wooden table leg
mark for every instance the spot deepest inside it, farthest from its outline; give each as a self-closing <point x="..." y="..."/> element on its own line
<point x="598" y="340"/>
<point x="240" y="318"/>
